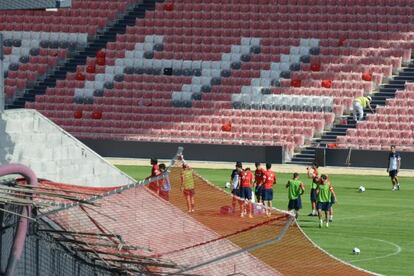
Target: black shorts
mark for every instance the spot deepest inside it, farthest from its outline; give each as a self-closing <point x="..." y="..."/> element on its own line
<point x="295" y="204"/>
<point x="393" y="173"/>
<point x="246" y="193"/>
<point x="189" y="192"/>
<point x="236" y="192"/>
<point x="313" y="195"/>
<point x="258" y="191"/>
<point x="267" y="194"/>
<point x="324" y="206"/>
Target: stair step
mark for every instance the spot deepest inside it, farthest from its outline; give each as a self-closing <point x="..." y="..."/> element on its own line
<point x="408" y="79"/>
<point x="337" y="129"/>
<point x="386" y="89"/>
<point x="304" y="163"/>
<point x="309" y="158"/>
<point x="308" y="151"/>
<point x="384" y="93"/>
<point x="344" y="127"/>
<point x="327" y="140"/>
<point x="396" y="82"/>
<point x="342" y="133"/>
<point x="396" y="86"/>
<point x="14" y="106"/>
<point x="406" y="74"/>
<point x="305" y="155"/>
<point x="382" y="97"/>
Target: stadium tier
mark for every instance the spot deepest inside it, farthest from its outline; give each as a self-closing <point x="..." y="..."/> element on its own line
<point x="396" y="116"/>
<point x="35" y="41"/>
<point x="216" y="72"/>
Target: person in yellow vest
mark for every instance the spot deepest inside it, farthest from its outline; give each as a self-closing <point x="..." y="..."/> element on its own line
<point x="187" y="186"/>
<point x="358" y="107"/>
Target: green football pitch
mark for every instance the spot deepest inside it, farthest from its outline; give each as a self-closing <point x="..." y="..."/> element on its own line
<point x="379" y="222"/>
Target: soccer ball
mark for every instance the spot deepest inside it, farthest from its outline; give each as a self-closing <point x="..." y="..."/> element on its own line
<point x="227" y="185"/>
<point x="361" y="189"/>
<point x="356" y="251"/>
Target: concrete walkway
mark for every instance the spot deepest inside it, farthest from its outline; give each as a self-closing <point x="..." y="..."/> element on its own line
<point x="283" y="168"/>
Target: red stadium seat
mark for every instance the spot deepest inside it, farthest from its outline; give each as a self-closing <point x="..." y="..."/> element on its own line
<point x="100" y="61"/>
<point x="80" y="76"/>
<point x="326" y="83"/>
<point x="101" y="54"/>
<point x="169" y="6"/>
<point x="315" y="67"/>
<point x="97" y="115"/>
<point x="91" y="68"/>
<point x="296" y="83"/>
<point x="226" y="127"/>
<point x="367" y="76"/>
<point x="78" y="114"/>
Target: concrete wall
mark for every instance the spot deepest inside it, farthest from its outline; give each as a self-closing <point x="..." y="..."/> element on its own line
<point x="202" y="152"/>
<point x="29" y="138"/>
<point x="361" y="158"/>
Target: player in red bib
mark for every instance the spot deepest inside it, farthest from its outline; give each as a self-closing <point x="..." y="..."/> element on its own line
<point x="258" y="182"/>
<point x="246" y="183"/>
<point x="312" y="173"/>
<point x="155" y="171"/>
<point x="269" y="179"/>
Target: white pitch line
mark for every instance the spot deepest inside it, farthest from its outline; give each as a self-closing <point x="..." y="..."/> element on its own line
<point x="396" y="252"/>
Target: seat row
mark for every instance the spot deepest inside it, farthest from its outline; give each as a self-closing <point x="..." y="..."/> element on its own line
<point x="336" y="63"/>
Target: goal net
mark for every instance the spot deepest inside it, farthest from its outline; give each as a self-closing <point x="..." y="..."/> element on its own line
<point x="145" y="228"/>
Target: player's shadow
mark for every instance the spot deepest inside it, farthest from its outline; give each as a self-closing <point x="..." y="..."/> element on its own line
<point x="6" y="143"/>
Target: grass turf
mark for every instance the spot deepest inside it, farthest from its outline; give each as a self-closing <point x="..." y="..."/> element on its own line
<point x="378" y="221"/>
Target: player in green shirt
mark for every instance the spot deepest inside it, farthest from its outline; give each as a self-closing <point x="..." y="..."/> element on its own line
<point x="324" y="192"/>
<point x="187" y="186"/>
<point x="295" y="190"/>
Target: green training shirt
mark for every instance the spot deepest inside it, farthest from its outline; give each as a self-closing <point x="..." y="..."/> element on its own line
<point x="324" y="194"/>
<point x="294" y="189"/>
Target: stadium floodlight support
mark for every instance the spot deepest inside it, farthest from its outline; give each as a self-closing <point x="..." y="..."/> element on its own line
<point x="2" y="97"/>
